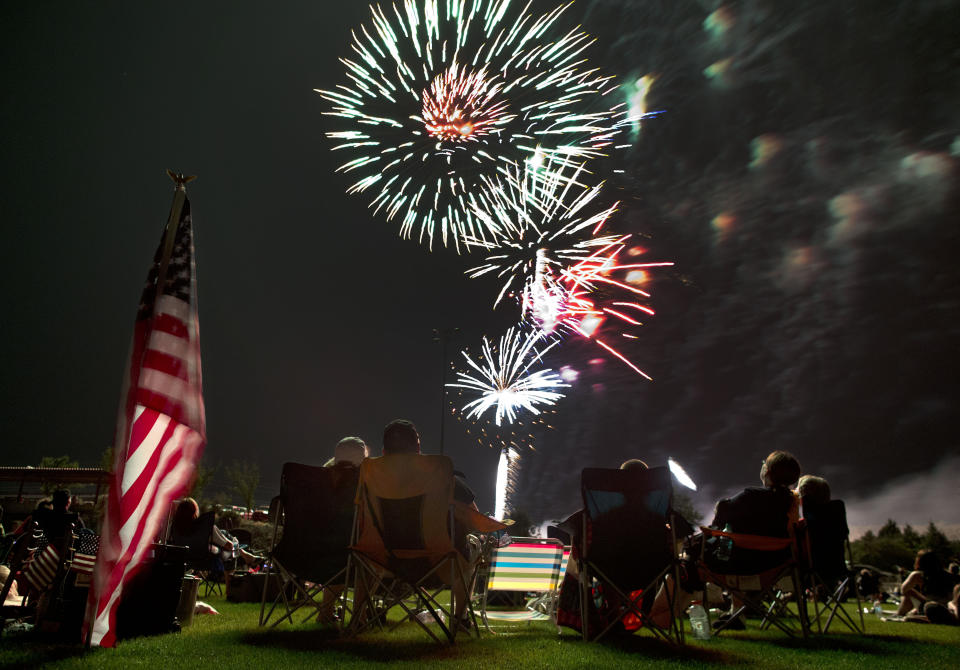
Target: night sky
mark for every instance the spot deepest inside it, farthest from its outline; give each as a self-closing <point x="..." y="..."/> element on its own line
<point x="802" y="176"/>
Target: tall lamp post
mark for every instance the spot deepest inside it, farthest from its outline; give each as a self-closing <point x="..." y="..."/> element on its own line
<point x="443" y="335"/>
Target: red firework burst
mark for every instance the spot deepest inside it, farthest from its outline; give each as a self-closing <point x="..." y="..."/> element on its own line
<point x="462" y="105"/>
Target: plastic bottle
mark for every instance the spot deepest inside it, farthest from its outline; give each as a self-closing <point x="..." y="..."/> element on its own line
<point x="877" y="609"/>
<point x="699" y="623"/>
<point x="725" y="546"/>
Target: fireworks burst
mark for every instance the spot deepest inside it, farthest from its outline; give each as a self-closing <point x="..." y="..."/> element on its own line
<point x="551" y="256"/>
<point x="443" y="95"/>
<point x="504" y="380"/>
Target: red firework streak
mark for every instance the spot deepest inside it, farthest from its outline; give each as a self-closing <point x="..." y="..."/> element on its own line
<point x="161" y="428"/>
<point x="581" y="314"/>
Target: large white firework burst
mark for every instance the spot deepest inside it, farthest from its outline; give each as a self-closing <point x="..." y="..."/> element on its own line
<point x="502" y="376"/>
<point x="546" y="224"/>
<point x="444" y="94"/>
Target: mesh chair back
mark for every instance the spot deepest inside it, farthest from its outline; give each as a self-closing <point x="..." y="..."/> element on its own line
<point x="403" y="509"/>
<point x="196" y="539"/>
<point x="55" y="524"/>
<point x="827" y="534"/>
<point x="317" y="505"/>
<point x="626" y="515"/>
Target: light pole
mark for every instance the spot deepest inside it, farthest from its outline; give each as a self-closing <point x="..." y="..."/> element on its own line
<point x="443" y="335"/>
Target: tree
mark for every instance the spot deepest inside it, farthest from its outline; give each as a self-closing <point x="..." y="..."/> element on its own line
<point x="937" y="542"/>
<point x="683" y="505"/>
<point x="106" y="459"/>
<point x="912" y="538"/>
<point x="55" y="462"/>
<point x="202" y="476"/>
<point x="244" y="479"/>
<point x="889" y="529"/>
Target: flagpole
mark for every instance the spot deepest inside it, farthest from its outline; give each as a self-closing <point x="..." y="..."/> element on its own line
<point x="173" y="221"/>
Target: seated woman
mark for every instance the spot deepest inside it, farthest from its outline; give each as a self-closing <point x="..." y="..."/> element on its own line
<point x="221" y="542"/>
<point x="928" y="591"/>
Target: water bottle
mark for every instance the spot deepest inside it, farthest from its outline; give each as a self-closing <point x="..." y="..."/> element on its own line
<point x="877" y="609"/>
<point x="699" y="623"/>
<point x="725" y="546"/>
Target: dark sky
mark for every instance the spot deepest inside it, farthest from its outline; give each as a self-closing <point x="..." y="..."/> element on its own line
<point x="813" y="307"/>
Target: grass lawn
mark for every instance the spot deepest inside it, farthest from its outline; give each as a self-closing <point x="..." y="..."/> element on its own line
<point x="233" y="640"/>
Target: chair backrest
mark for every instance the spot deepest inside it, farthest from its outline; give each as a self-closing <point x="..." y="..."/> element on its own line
<point x="54" y="523"/>
<point x="317" y="509"/>
<point x="196" y="538"/>
<point x="826" y="536"/>
<point x="626" y="514"/>
<point x="404" y="509"/>
<point x="526" y="564"/>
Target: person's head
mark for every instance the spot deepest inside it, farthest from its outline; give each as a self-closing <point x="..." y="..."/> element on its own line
<point x="187" y="510"/>
<point x="61" y="500"/>
<point x="401" y="437"/>
<point x="633" y="465"/>
<point x="954" y="568"/>
<point x="780" y="468"/>
<point x="927" y="562"/>
<point x="350" y="450"/>
<point x="813" y="490"/>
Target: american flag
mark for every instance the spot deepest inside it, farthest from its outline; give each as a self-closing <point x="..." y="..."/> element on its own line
<point x="161" y="428"/>
<point x="42" y="567"/>
<point x="85" y="553"/>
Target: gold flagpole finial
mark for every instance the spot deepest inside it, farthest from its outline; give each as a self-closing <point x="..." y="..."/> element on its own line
<point x="181" y="179"/>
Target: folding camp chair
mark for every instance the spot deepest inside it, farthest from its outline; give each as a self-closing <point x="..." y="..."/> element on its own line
<point x="626" y="549"/>
<point x="316" y="509"/>
<point x="527" y="564"/>
<point x="20" y="557"/>
<point x="403" y="551"/>
<point x="759" y="592"/>
<point x="40" y="565"/>
<point x="199" y="559"/>
<point x="825" y="553"/>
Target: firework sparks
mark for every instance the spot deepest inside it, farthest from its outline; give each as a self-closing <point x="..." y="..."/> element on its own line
<point x="551" y="255"/>
<point x="504" y="380"/>
<point x="441" y="96"/>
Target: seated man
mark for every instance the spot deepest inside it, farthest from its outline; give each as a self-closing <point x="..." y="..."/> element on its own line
<point x="770" y="511"/>
<point x="401" y="437"/>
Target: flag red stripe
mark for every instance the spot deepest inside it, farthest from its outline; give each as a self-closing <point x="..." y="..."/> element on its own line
<point x="171" y="365"/>
<point x="143" y="480"/>
<point x="170" y="324"/>
<point x="161" y="403"/>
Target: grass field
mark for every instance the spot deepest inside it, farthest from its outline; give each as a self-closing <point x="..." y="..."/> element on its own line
<point x="233" y="640"/>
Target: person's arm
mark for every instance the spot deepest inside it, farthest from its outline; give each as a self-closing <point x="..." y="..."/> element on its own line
<point x="909" y="591"/>
<point x="221" y="540"/>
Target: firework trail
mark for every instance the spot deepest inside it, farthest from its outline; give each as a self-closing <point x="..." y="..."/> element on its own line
<point x="507" y="472"/>
<point x="503" y="378"/>
<point x="551" y="256"/>
<point x="681" y="474"/>
<point x="443" y="95"/>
